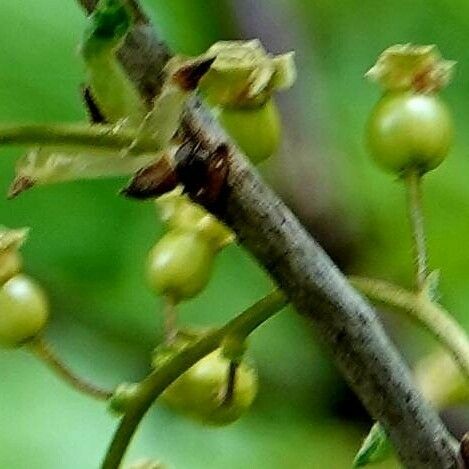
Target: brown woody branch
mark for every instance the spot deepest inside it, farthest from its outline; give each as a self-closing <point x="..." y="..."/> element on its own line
<point x="318" y="290"/>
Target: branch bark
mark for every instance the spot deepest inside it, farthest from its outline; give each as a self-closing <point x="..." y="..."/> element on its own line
<point x="319" y="291"/>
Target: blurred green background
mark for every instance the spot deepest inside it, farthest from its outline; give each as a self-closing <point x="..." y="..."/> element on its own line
<point x="87" y="245"/>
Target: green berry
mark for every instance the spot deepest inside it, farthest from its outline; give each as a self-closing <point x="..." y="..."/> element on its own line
<point x="180" y="265"/>
<point x="23" y="311"/>
<point x="256" y="130"/>
<point x="199" y="392"/>
<point x="410" y="131"/>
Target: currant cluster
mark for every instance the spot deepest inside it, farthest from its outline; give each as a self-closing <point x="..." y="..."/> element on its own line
<point x="219" y="388"/>
<point x="237" y="81"/>
<point x="181" y="263"/>
<point x="410" y="132"/>
<point x="23" y="304"/>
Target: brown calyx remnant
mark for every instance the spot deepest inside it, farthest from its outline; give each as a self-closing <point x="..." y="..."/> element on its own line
<point x="201" y="171"/>
<point x="19" y="185"/>
<point x="189" y="75"/>
<point x="152" y="181"/>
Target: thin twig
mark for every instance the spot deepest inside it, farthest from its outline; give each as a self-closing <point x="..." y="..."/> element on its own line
<point x="170" y="319"/>
<point x="78" y="136"/>
<point x="43" y="350"/>
<point x="433" y="317"/>
<point x="157" y="382"/>
<point x="413" y="181"/>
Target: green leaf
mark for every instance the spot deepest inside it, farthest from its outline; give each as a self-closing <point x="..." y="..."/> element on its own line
<point x="375" y="448"/>
<point x="115" y="94"/>
<point x="42" y="166"/>
<point x="109" y="23"/>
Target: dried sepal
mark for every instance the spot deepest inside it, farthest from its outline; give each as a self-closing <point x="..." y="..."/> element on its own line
<point x="412" y="67"/>
<point x="42" y="166"/>
<point x="245" y="75"/>
<point x="10" y="258"/>
<point x="182" y="79"/>
<point x="179" y="212"/>
<point x="12" y="239"/>
<point x="155" y="179"/>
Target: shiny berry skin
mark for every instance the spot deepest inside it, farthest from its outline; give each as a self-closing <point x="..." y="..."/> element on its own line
<point x="256" y="130"/>
<point x="23" y="311"/>
<point x="198" y="393"/>
<point x="410" y="131"/>
<point x="180" y="265"/>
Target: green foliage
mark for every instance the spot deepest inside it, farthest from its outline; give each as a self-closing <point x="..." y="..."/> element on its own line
<point x="115" y="94"/>
<point x="375" y="448"/>
<point x="109" y="23"/>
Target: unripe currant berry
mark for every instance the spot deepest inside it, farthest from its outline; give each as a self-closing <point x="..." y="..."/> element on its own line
<point x="199" y="392"/>
<point x="23" y="311"/>
<point x="180" y="265"/>
<point x="410" y="130"/>
<point x="256" y="130"/>
<point x="240" y="86"/>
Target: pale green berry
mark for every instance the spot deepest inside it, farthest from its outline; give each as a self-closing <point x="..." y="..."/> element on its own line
<point x="410" y="131"/>
<point x="23" y="311"/>
<point x="256" y="130"/>
<point x="180" y="265"/>
<point x="199" y="392"/>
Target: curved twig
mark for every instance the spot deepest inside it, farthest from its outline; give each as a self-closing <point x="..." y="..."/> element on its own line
<point x="433" y="317"/>
<point x="77" y="136"/>
<point x="157" y="382"/>
<point x="42" y="350"/>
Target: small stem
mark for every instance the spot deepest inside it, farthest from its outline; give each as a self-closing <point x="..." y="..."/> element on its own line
<point x="170" y="319"/>
<point x="78" y="136"/>
<point x="432" y="316"/>
<point x="155" y="383"/>
<point x="44" y="352"/>
<point x="228" y="393"/>
<point x="413" y="180"/>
